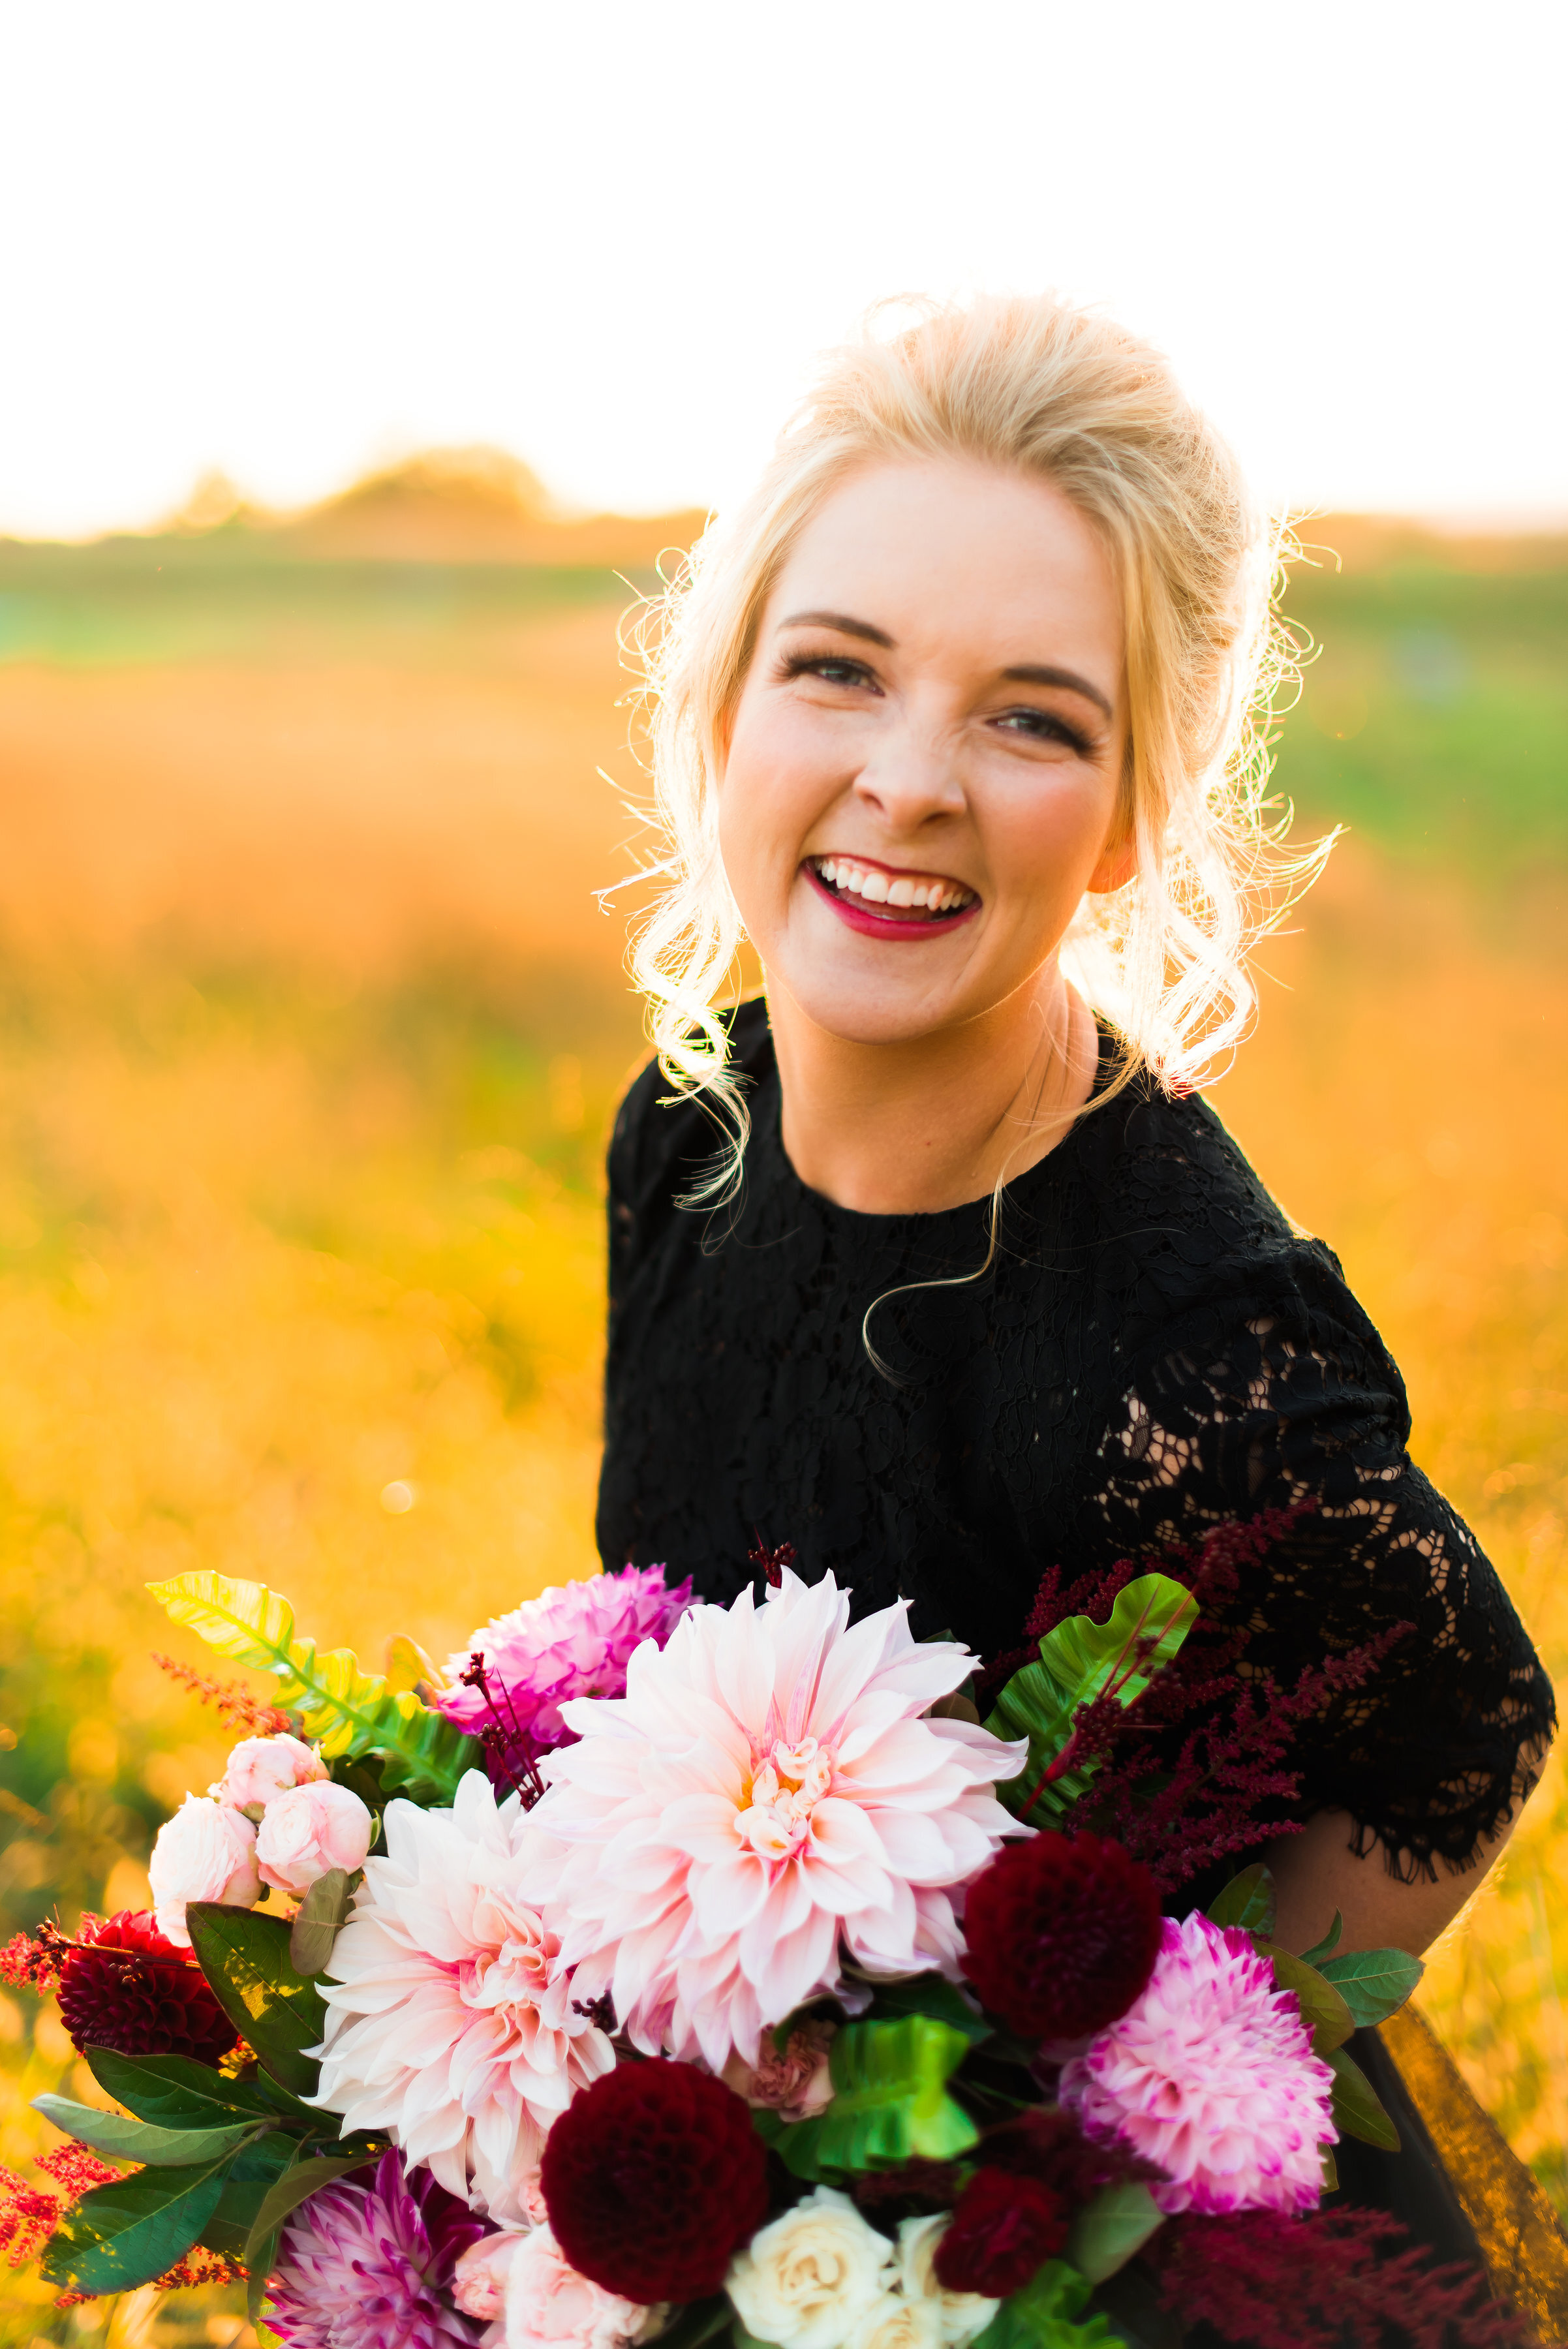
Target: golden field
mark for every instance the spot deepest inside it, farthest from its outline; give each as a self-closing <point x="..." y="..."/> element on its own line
<point x="310" y="1030"/>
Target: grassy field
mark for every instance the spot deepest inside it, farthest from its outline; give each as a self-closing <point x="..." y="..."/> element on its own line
<point x="309" y="1033"/>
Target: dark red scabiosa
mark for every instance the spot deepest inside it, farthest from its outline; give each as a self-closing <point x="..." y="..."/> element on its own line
<point x="1003" y="2229"/>
<point x="1062" y="1933"/>
<point x="653" y="2178"/>
<point x="124" y="1986"/>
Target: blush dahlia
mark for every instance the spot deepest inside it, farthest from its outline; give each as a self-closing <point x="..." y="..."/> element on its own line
<point x="1003" y="2228"/>
<point x="126" y="1988"/>
<point x="1062" y="1933"/>
<point x="653" y="2178"/>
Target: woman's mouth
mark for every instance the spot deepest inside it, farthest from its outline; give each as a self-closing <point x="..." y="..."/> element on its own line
<point x="883" y="902"/>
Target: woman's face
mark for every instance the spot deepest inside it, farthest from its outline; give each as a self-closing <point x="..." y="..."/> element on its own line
<point x="922" y="772"/>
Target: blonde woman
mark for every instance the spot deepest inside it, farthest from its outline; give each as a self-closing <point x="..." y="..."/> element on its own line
<point x="932" y="1261"/>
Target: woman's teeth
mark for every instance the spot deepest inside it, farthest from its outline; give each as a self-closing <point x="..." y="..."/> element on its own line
<point x="880" y="888"/>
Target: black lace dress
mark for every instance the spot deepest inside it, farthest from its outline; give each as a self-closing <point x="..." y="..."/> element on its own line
<point x="1156" y="1350"/>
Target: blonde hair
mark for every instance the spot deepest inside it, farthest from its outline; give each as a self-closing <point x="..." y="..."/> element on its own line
<point x="1034" y="383"/>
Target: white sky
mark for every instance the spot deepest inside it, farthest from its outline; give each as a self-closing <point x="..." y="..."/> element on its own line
<point x="292" y="237"/>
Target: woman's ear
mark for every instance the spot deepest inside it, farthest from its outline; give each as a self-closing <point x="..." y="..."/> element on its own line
<point x="1119" y="862"/>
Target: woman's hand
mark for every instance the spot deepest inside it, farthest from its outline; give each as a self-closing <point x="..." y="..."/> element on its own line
<point x="1316" y="1872"/>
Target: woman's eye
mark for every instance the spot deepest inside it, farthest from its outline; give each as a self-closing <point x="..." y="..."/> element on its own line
<point x="1044" y="727"/>
<point x="831" y="671"/>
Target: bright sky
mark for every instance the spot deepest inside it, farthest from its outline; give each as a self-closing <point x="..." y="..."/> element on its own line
<point x="289" y="238"/>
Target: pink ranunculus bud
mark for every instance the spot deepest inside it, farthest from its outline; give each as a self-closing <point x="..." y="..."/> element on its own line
<point x="550" y="2306"/>
<point x="479" y="2280"/>
<point x="308" y="1830"/>
<point x="261" y="1767"/>
<point x="207" y="1851"/>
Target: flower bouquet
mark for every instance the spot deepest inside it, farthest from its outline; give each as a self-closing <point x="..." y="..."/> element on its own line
<point x="714" y="1974"/>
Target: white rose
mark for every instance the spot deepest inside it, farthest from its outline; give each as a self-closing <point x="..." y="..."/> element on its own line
<point x="895" y="2323"/>
<point x="963" y="2315"/>
<point x="805" y="2281"/>
<point x="205" y="1852"/>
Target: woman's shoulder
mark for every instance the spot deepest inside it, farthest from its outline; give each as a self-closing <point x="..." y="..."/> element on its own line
<point x="1189" y="1240"/>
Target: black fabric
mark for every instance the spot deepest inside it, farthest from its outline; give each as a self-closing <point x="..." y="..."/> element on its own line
<point x="1154" y="1351"/>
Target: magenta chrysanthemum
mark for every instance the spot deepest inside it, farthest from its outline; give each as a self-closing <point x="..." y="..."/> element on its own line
<point x="769" y="1792"/>
<point x="573" y="1641"/>
<point x="370" y="2266"/>
<point x="1210" y="2075"/>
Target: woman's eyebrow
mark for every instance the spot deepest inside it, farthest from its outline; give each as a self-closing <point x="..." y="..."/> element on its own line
<point x="1031" y="675"/>
<point x="843" y="624"/>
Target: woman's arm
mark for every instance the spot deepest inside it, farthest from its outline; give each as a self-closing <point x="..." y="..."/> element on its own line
<point x="1319" y="1870"/>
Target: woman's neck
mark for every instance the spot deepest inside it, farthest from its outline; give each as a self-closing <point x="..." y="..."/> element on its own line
<point x="914" y="1128"/>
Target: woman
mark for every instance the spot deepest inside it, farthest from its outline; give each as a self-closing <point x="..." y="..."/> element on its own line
<point x="957" y="722"/>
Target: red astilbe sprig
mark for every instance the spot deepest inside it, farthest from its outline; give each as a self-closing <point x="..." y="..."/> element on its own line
<point x="33" y="1961"/>
<point x="30" y="2214"/>
<point x="237" y="1707"/>
<point x="1275" y="2281"/>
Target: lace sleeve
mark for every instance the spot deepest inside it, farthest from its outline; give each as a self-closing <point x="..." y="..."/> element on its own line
<point x="1429" y="1755"/>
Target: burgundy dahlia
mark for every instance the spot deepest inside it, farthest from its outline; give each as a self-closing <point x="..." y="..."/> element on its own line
<point x="653" y="2178"/>
<point x="125" y="1987"/>
<point x="1003" y="2229"/>
<point x="1062" y="1933"/>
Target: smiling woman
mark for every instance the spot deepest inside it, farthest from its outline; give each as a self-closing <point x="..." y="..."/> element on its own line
<point x="998" y="545"/>
<point x="956" y="721"/>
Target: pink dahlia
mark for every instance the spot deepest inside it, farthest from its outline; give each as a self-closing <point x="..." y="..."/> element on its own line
<point x="451" y="2019"/>
<point x="767" y="1792"/>
<point x="572" y="1641"/>
<point x="1211" y="2074"/>
<point x="367" y="2263"/>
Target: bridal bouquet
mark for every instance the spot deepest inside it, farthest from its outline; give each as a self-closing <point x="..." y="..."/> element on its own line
<point x="701" y="1974"/>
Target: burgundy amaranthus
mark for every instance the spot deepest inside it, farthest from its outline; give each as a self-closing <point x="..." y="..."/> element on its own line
<point x="1232" y="1761"/>
<point x="1003" y="2228"/>
<point x="1279" y="2282"/>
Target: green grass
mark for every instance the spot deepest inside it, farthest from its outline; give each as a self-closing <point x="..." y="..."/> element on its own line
<point x="1434" y="719"/>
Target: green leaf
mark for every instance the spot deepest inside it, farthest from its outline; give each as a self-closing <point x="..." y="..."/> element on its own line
<point x="296" y="2184"/>
<point x="1322" y="2008"/>
<point x="1330" y="2169"/>
<point x="1327" y="1946"/>
<point x="698" y="2321"/>
<point x="126" y="2233"/>
<point x="1374" y="1983"/>
<point x="1247" y="1900"/>
<point x="253" y="2172"/>
<point x="1109" y="2229"/>
<point x="182" y="2093"/>
<point x="933" y="1995"/>
<point x="1356" y="2110"/>
<point x="1044" y="2314"/>
<point x="1079" y="1661"/>
<point x="245" y="1956"/>
<point x="320" y="1918"/>
<point x="131" y="2140"/>
<point x="348" y="1709"/>
<point x="890" y="2102"/>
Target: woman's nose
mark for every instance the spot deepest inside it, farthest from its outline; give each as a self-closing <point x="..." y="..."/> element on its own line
<point x="912" y="777"/>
